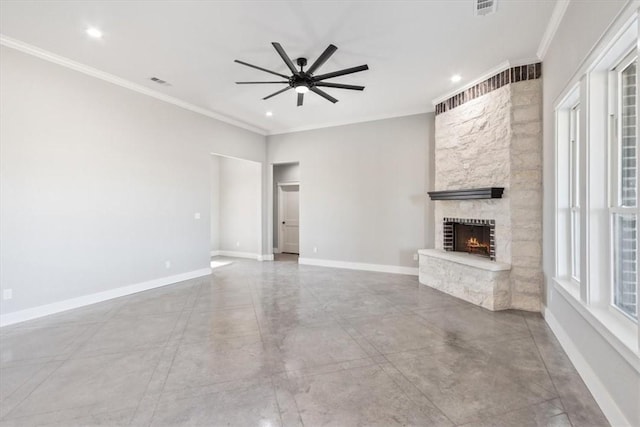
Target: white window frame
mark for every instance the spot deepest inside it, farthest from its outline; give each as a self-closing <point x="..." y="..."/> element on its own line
<point x="591" y="88"/>
<point x="565" y="194"/>
<point x="615" y="189"/>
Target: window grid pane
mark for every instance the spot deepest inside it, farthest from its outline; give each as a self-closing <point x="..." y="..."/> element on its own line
<point x="575" y="244"/>
<point x="625" y="263"/>
<point x="628" y="137"/>
<point x="575" y="157"/>
<point x="574" y="191"/>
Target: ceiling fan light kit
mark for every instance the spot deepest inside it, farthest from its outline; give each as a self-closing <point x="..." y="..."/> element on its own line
<point x="304" y="81"/>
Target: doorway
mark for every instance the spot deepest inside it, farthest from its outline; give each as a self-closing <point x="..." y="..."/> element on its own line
<point x="286" y="211"/>
<point x="236" y="208"/>
<point x="289" y="218"/>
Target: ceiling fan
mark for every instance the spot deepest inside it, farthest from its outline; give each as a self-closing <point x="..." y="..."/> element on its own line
<point x="304" y="81"/>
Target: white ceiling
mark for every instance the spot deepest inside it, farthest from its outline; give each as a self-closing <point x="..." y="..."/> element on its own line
<point x="412" y="49"/>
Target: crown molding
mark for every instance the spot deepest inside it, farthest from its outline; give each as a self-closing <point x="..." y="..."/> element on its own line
<point x="371" y="118"/>
<point x="94" y="72"/>
<point x="554" y="22"/>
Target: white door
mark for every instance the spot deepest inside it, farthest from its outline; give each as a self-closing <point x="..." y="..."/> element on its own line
<point x="289" y="218"/>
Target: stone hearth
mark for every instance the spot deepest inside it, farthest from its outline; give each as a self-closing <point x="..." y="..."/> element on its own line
<point x="479" y="281"/>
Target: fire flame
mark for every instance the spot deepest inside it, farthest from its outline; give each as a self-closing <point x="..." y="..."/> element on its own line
<point x="474" y="245"/>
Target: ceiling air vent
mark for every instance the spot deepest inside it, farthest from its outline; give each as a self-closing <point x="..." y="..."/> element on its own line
<point x="159" y="81"/>
<point x="485" y="7"/>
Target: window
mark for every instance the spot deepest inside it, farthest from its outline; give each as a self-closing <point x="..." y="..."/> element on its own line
<point x="568" y="193"/>
<point x="574" y="190"/>
<point x="624" y="188"/>
<point x="598" y="188"/>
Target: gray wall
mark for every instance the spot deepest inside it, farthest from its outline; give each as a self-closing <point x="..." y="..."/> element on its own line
<point x="99" y="184"/>
<point x="239" y="205"/>
<point x="363" y="189"/>
<point x="581" y="27"/>
<point x="288" y="172"/>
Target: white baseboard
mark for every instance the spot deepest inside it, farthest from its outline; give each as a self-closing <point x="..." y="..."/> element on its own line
<point x="609" y="407"/>
<point x="69" y="304"/>
<point x="381" y="268"/>
<point x="266" y="257"/>
<point x="215" y="253"/>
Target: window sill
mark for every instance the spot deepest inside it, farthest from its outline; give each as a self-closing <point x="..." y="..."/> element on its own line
<point x="622" y="334"/>
<point x="568" y="286"/>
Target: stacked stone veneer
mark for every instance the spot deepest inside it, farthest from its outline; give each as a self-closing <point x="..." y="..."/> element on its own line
<point x="494" y="140"/>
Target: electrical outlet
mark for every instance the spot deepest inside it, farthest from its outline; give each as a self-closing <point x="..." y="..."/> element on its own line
<point x="237" y="244"/>
<point x="7" y="294"/>
<point x="167" y="264"/>
<point x="415" y="257"/>
<point x="196" y="215"/>
<point x="315" y="250"/>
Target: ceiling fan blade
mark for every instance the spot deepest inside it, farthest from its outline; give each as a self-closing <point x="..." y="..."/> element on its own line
<point x="322" y="58"/>
<point x="277" y="93"/>
<point x="323" y="94"/>
<point x="300" y="99"/>
<point x="261" y="69"/>
<point x="341" y="72"/>
<point x="285" y="58"/>
<point x="259" y="83"/>
<point x="340" y="86"/>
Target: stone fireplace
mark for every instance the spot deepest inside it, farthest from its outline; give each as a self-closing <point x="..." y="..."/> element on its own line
<point x="488" y="249"/>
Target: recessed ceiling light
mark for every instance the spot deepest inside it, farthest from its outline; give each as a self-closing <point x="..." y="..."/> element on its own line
<point x="456" y="78"/>
<point x="269" y="114"/>
<point x="94" y="32"/>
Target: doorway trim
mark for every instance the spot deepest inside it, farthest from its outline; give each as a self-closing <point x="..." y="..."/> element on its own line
<point x="280" y="209"/>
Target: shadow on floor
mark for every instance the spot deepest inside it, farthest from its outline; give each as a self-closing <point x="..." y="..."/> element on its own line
<point x="286" y="257"/>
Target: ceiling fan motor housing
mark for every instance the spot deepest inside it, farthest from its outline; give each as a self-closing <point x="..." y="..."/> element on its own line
<point x="302" y="79"/>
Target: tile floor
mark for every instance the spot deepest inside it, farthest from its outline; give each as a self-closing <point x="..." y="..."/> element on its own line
<point x="270" y="344"/>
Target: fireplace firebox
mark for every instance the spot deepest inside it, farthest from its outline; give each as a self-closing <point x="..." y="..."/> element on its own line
<point x="474" y="236"/>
